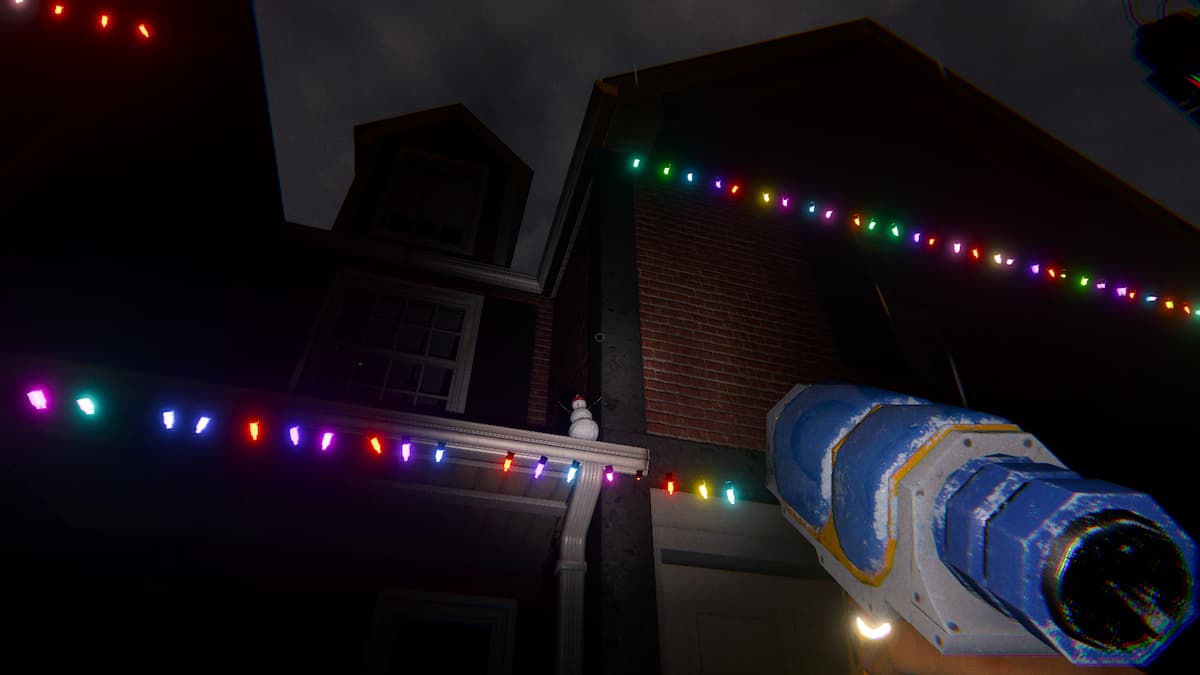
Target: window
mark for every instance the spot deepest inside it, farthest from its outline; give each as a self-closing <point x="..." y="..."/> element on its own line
<point x="434" y="201"/>
<point x="396" y="346"/>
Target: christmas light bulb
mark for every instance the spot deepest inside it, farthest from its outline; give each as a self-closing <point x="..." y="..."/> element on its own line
<point x="766" y="197"/>
<point x="541" y="466"/>
<point x="1083" y="281"/>
<point x="999" y="259"/>
<point x="294" y="436"/>
<point x="37" y="399"/>
<point x="572" y="471"/>
<point x="895" y="230"/>
<point x="1035" y="269"/>
<point x="957" y="247"/>
<point x="144" y="30"/>
<point x="253" y="430"/>
<point x="508" y="461"/>
<point x="168" y="418"/>
<point x="637" y="162"/>
<point x="405" y="449"/>
<point x="871" y="225"/>
<point x="87" y="405"/>
<point x="609" y="474"/>
<point x="785" y="201"/>
<point x="932" y="241"/>
<point x="326" y="441"/>
<point x="916" y="237"/>
<point x="828" y="214"/>
<point x="376" y="445"/>
<point x="703" y="490"/>
<point x="439" y="452"/>
<point x="202" y="424"/>
<point x="670" y="483"/>
<point x="691" y="177"/>
<point x="729" y="491"/>
<point x="667" y="170"/>
<point x="733" y="190"/>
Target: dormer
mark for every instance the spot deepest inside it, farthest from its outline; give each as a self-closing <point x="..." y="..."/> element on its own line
<point x="437" y="180"/>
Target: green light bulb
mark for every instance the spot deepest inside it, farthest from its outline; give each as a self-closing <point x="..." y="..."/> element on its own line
<point x="637" y="161"/>
<point x="895" y="230"/>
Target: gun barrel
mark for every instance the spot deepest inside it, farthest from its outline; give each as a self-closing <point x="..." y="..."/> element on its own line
<point x="967" y="527"/>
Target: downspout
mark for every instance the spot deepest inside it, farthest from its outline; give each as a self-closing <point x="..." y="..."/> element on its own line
<point x="571" y="568"/>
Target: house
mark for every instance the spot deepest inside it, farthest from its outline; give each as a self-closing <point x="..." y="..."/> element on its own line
<point x="714" y="297"/>
<point x="348" y="448"/>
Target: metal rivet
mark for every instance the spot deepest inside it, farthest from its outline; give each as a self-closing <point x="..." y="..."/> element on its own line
<point x="967" y="442"/>
<point x="1028" y="443"/>
<point x="938" y="639"/>
<point x="917" y="597"/>
<point x="952" y="626"/>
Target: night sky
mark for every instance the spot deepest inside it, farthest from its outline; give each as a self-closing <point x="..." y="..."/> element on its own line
<point x="526" y="69"/>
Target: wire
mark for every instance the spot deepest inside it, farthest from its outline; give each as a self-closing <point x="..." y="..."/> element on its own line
<point x="1130" y="16"/>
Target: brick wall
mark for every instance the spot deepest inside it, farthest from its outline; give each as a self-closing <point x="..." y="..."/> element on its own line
<point x="730" y="315"/>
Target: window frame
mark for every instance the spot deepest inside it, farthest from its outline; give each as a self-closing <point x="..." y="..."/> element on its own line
<point x="470" y="304"/>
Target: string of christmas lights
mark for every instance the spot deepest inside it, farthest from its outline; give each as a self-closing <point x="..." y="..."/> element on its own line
<point x="326" y="439"/>
<point x="104" y="21"/>
<point x="956" y="247"/>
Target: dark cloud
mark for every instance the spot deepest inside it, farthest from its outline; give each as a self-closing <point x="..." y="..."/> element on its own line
<point x="526" y="68"/>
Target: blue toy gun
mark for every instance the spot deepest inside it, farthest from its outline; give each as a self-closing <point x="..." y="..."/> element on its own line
<point x="968" y="528"/>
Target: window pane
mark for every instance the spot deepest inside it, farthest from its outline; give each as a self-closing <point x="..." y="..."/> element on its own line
<point x="404" y="375"/>
<point x="397" y="399"/>
<point x="418" y="313"/>
<point x="369" y="369"/>
<point x="436" y="381"/>
<point x="428" y="404"/>
<point x="388" y="308"/>
<point x="361" y="394"/>
<point x="339" y="364"/>
<point x="380" y="333"/>
<point x="349" y="328"/>
<point x="443" y="345"/>
<point x="448" y="318"/>
<point x="357" y="302"/>
<point x="411" y="339"/>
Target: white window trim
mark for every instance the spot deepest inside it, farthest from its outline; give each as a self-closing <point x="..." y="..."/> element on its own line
<point x="471" y="304"/>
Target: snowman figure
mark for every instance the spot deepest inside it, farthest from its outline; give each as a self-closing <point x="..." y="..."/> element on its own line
<point x="582" y="424"/>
